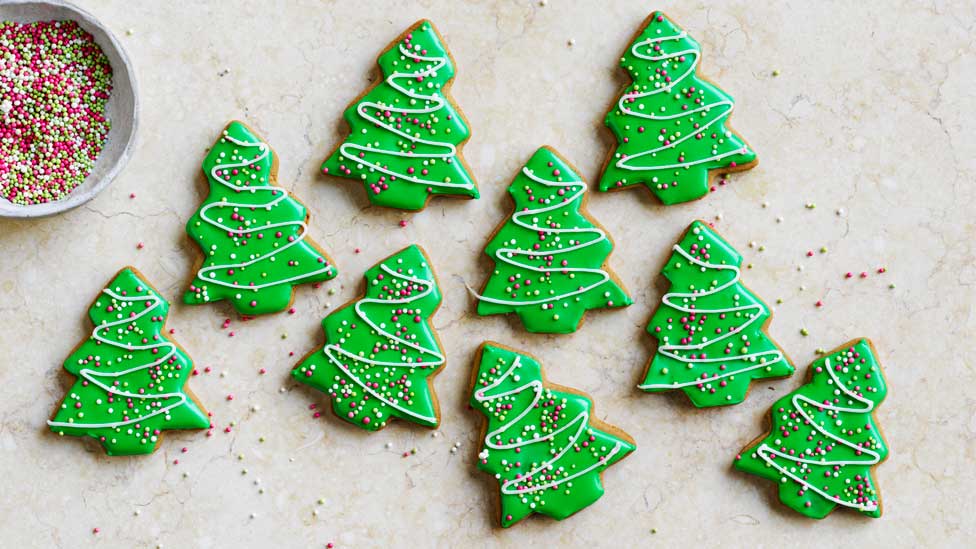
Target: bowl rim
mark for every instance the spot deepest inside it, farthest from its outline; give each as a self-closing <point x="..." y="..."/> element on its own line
<point x="73" y="200"/>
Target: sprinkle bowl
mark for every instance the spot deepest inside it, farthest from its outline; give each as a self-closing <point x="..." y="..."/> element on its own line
<point x="121" y="109"/>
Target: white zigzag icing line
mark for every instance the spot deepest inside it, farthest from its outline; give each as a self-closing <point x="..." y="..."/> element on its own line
<point x="332" y="350"/>
<point x="93" y="375"/>
<point x="438" y="103"/>
<point x="581" y="420"/>
<point x="502" y="253"/>
<point x="669" y="350"/>
<point x="765" y="450"/>
<point x="725" y="104"/>
<point x="282" y="194"/>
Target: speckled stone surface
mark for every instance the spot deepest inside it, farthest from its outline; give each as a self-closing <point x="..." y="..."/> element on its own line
<point x="870" y="115"/>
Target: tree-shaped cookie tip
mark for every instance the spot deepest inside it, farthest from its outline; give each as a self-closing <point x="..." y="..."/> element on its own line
<point x="823" y="440"/>
<point x="130" y="375"/>
<point x="541" y="441"/>
<point x="381" y="350"/>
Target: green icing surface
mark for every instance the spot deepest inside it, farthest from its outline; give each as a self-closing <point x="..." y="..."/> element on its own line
<point x="549" y="257"/>
<point x="824" y="441"/>
<point x="670" y="123"/>
<point x="405" y="134"/>
<point x="251" y="231"/>
<point x="541" y="444"/>
<point x="130" y="376"/>
<point x="709" y="326"/>
<point x="380" y="349"/>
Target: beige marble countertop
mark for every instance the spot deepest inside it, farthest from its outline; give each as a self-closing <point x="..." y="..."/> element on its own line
<point x="869" y="114"/>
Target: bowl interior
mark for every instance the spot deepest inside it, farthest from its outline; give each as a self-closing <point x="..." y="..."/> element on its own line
<point x="121" y="108"/>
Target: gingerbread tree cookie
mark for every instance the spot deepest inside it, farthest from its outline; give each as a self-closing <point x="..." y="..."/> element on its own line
<point x="131" y="377"/>
<point x="406" y="134"/>
<point x="824" y="440"/>
<point x="671" y="124"/>
<point x="381" y="352"/>
<point x="550" y="256"/>
<point x="541" y="441"/>
<point x="710" y="328"/>
<point x="251" y="231"/>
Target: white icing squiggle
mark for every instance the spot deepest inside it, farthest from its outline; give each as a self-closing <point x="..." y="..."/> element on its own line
<point x="753" y="311"/>
<point x="280" y="195"/>
<point x="434" y="102"/>
<point x="725" y="105"/>
<point x="95" y="376"/>
<point x="764" y="451"/>
<point x="332" y="350"/>
<point x="579" y="423"/>
<point x="508" y="255"/>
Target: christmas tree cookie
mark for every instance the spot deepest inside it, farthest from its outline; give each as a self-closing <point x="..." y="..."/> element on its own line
<point x="252" y="232"/>
<point x="406" y="133"/>
<point x="550" y="256"/>
<point x="131" y="377"/>
<point x="542" y="442"/>
<point x="381" y="352"/>
<point x="710" y="328"/>
<point x="671" y="124"/>
<point x="823" y="440"/>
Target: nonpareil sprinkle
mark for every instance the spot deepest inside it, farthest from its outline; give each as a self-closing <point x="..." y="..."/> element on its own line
<point x="54" y="84"/>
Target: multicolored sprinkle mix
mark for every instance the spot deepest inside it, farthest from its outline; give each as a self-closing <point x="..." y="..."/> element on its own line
<point x="54" y="84"/>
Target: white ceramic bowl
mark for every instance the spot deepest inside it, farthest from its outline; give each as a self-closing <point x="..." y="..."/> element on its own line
<point x="122" y="108"/>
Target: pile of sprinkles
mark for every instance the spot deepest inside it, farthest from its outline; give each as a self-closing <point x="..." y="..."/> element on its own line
<point x="54" y="84"/>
